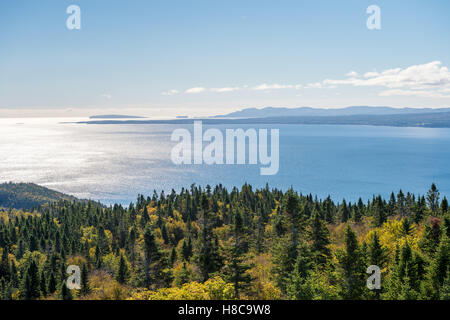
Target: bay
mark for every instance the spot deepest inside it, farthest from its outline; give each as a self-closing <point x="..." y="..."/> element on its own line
<point x="115" y="163"/>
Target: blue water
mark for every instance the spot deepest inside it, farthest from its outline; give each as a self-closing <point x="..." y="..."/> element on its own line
<point x="113" y="163"/>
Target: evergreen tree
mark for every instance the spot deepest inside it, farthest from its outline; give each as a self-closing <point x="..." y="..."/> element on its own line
<point x="84" y="279"/>
<point x="64" y="292"/>
<point x="419" y="210"/>
<point x="377" y="255"/>
<point x="132" y="245"/>
<point x="431" y="237"/>
<point x="4" y="265"/>
<point x="208" y="253"/>
<point x="345" y="212"/>
<point x="122" y="273"/>
<point x="153" y="263"/>
<point x="445" y="288"/>
<point x="400" y="203"/>
<point x="14" y="277"/>
<point x="379" y="215"/>
<point x="297" y="287"/>
<point x="406" y="291"/>
<point x="352" y="267"/>
<point x="51" y="287"/>
<point x="43" y="284"/>
<point x="236" y="269"/>
<point x="444" y="206"/>
<point x="403" y="280"/>
<point x="433" y="199"/>
<point x="406" y="227"/>
<point x="320" y="237"/>
<point x="284" y="256"/>
<point x="439" y="265"/>
<point x="358" y="211"/>
<point x="173" y="256"/>
<point x="183" y="276"/>
<point x="186" y="250"/>
<point x="30" y="285"/>
<point x="98" y="258"/>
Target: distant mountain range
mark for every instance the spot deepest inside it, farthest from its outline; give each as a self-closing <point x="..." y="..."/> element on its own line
<point x="427" y="120"/>
<point x="314" y="112"/>
<point x="115" y="116"/>
<point x="362" y="115"/>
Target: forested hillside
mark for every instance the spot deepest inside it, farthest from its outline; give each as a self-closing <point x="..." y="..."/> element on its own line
<point x="28" y="195"/>
<point x="215" y="243"/>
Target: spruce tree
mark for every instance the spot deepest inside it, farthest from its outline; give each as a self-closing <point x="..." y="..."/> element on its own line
<point x="444" y="206"/>
<point x="445" y="288"/>
<point x="419" y="210"/>
<point x="297" y="288"/>
<point x="64" y="292"/>
<point x="236" y="269"/>
<point x="403" y="282"/>
<point x="122" y="274"/>
<point x="433" y="199"/>
<point x="379" y="215"/>
<point x="30" y="288"/>
<point x="320" y="237"/>
<point x="344" y="212"/>
<point x="208" y="258"/>
<point x="84" y="279"/>
<point x="43" y="284"/>
<point x="431" y="237"/>
<point x="284" y="257"/>
<point x="377" y="255"/>
<point x="183" y="276"/>
<point x="173" y="256"/>
<point x="98" y="258"/>
<point x="352" y="267"/>
<point x="4" y="265"/>
<point x="186" y="249"/>
<point x="51" y="287"/>
<point x="153" y="264"/>
<point x="440" y="264"/>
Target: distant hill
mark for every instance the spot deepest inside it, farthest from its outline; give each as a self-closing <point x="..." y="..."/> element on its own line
<point x="425" y="120"/>
<point x="115" y="116"/>
<point x="28" y="195"/>
<point x="314" y="112"/>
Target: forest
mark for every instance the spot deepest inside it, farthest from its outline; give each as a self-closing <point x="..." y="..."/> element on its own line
<point x="214" y="243"/>
<point x="28" y="195"/>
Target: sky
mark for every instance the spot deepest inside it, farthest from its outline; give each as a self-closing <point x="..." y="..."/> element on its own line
<point x="193" y="57"/>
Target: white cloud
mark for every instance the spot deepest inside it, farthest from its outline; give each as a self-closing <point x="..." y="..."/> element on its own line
<point x="423" y="80"/>
<point x="352" y="74"/>
<point x="226" y="89"/>
<point x="371" y="74"/>
<point x="195" y="90"/>
<point x="275" y="86"/>
<point x="314" y="85"/>
<point x="424" y="76"/>
<point x="430" y="80"/>
<point x="416" y="93"/>
<point x="106" y="96"/>
<point x="170" y="92"/>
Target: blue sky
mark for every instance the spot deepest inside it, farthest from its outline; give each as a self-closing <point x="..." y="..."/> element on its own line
<point x="213" y="57"/>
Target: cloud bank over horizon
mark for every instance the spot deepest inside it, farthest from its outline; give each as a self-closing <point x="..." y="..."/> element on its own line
<point x="430" y="80"/>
